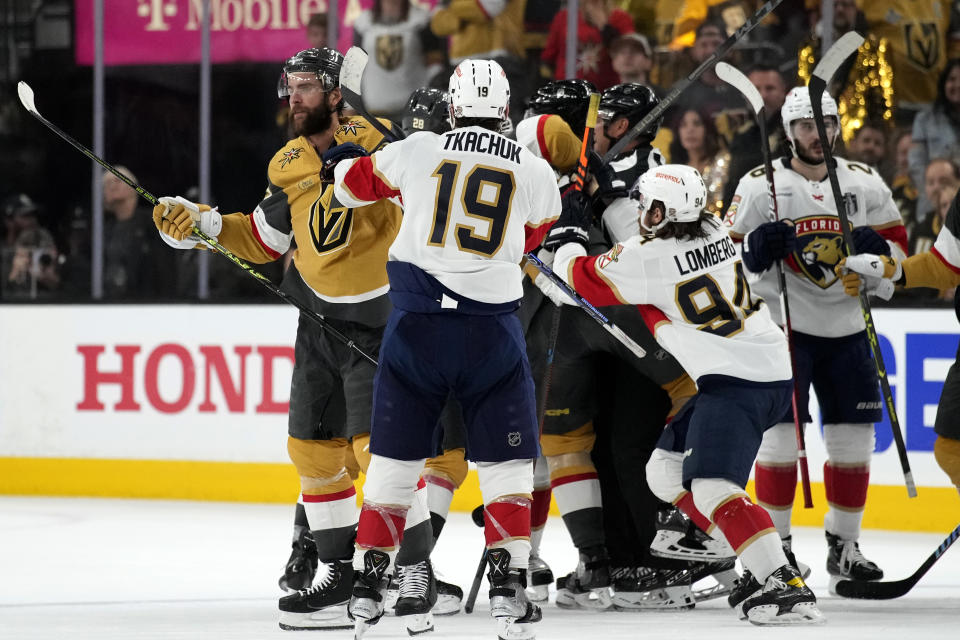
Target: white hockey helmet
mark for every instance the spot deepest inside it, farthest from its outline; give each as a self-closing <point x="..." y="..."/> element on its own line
<point x="678" y="186"/>
<point x="479" y="89"/>
<point x="797" y="106"/>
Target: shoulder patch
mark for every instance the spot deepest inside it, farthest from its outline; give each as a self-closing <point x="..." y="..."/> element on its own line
<point x="351" y="127"/>
<point x="289" y="156"/>
<point x="610" y="256"/>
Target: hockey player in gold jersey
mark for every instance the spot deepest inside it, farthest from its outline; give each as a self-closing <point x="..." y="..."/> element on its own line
<point x="338" y="269"/>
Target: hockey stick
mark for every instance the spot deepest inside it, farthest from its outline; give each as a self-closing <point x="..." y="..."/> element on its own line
<point x="741" y="83"/>
<point x="867" y="590"/>
<point x="27" y="99"/>
<point x="682" y="85"/>
<point x="477" y="516"/>
<point x="579" y="181"/>
<point x="822" y="74"/>
<point x="351" y="74"/>
<point x="591" y="310"/>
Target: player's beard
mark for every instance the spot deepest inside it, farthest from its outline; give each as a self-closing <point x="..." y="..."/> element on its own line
<point x="317" y="120"/>
<point x="806" y="157"/>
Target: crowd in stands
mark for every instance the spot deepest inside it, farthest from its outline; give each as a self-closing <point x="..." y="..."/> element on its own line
<point x="899" y="101"/>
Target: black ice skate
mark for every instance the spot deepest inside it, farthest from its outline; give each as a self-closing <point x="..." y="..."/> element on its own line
<point x="646" y="588"/>
<point x="677" y="537"/>
<point x="449" y="597"/>
<point x="417" y="596"/>
<point x="804" y="569"/>
<point x="322" y="606"/>
<point x="723" y="574"/>
<point x="589" y="586"/>
<point x="846" y="562"/>
<point x="369" y="591"/>
<point x="302" y="565"/>
<point x="785" y="600"/>
<point x="541" y="577"/>
<point x="514" y="614"/>
<point x="745" y="588"/>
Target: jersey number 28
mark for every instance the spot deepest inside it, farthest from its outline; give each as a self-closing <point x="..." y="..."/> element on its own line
<point x="485" y="194"/>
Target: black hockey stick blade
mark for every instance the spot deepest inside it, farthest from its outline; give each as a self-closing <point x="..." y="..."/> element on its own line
<point x="681" y="86"/>
<point x="351" y="75"/>
<point x="475" y="587"/>
<point x="866" y="590"/>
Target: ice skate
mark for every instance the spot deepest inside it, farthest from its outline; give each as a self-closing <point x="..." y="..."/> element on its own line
<point x="417" y="596"/>
<point x="541" y="577"/>
<point x="369" y="591"/>
<point x="322" y="606"/>
<point x="804" y="569"/>
<point x="514" y="614"/>
<point x="589" y="586"/>
<point x="785" y="600"/>
<point x="302" y="566"/>
<point x="677" y="537"/>
<point x="846" y="562"/>
<point x="746" y="587"/>
<point x="646" y="588"/>
<point x="449" y="597"/>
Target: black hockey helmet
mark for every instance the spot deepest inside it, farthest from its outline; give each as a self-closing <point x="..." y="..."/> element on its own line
<point x="325" y="63"/>
<point x="632" y="101"/>
<point x="568" y="99"/>
<point x="426" y="110"/>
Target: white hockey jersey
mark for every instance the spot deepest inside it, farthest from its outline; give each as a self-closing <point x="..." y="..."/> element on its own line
<point x="694" y="297"/>
<point x="474" y="202"/>
<point x="818" y="305"/>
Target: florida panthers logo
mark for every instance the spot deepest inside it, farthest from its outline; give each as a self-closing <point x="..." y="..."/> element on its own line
<point x="819" y="248"/>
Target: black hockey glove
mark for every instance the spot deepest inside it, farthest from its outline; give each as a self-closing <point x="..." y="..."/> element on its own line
<point x="573" y="222"/>
<point x="768" y="242"/>
<point x="866" y="240"/>
<point x="609" y="185"/>
<point x="334" y="155"/>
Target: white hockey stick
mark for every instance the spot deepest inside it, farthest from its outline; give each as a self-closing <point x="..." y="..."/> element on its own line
<point x="822" y="74"/>
<point x="351" y="76"/>
<point x="742" y="83"/>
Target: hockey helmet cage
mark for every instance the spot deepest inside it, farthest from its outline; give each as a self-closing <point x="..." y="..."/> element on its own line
<point x="426" y="110"/>
<point x="632" y="101"/>
<point x="324" y="63"/>
<point x="569" y="99"/>
<point x="678" y="186"/>
<point x="797" y="106"/>
<point x="479" y="89"/>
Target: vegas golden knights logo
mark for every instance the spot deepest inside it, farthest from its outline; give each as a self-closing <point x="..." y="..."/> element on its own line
<point x="389" y="51"/>
<point x="330" y="230"/>
<point x="923" y="43"/>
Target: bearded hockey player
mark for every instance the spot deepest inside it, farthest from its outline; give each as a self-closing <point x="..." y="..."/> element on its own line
<point x="830" y="347"/>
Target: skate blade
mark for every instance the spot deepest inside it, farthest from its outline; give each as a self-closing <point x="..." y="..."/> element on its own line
<point x="726" y="583"/>
<point x="334" y="617"/>
<point x="666" y="599"/>
<point x="510" y="629"/>
<point x="802" y="613"/>
<point x="418" y="623"/>
<point x="667" y="545"/>
<point x="539" y="593"/>
<point x="447" y="605"/>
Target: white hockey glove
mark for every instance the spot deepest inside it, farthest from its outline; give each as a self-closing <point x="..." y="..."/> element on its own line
<point x="176" y="218"/>
<point x="552" y="291"/>
<point x="879" y="272"/>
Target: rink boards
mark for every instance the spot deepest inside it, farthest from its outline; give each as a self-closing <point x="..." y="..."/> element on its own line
<point x="190" y="402"/>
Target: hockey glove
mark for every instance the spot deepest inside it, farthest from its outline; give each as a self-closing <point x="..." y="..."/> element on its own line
<point x="866" y="240"/>
<point x="609" y="185"/>
<point x="768" y="242"/>
<point x="334" y="155"/>
<point x="176" y="219"/>
<point x="873" y="267"/>
<point x="552" y="291"/>
<point x="573" y="222"/>
<point x="879" y="287"/>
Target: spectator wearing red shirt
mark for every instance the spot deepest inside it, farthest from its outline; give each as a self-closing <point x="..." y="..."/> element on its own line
<point x="600" y="23"/>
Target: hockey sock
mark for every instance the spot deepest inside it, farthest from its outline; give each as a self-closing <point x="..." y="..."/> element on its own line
<point x="539" y="511"/>
<point x="685" y="504"/>
<point x="751" y="533"/>
<point x="776" y="486"/>
<point x="506" y="488"/>
<point x="576" y="488"/>
<point x="418" y="530"/>
<point x="299" y="519"/>
<point x="846" y="489"/>
<point x="439" y="497"/>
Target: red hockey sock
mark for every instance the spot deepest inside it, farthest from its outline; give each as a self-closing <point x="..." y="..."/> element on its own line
<point x="742" y="521"/>
<point x="685" y="504"/>
<point x="776" y="485"/>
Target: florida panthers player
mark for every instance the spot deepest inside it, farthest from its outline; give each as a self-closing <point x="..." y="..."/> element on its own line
<point x="474" y="201"/>
<point x="829" y="341"/>
<point x="685" y="274"/>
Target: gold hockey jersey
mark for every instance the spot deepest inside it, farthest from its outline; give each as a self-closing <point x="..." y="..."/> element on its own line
<point x="339" y="263"/>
